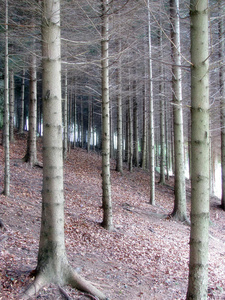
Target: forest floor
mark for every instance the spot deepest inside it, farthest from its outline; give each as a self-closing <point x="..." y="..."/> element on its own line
<point x="145" y="257"/>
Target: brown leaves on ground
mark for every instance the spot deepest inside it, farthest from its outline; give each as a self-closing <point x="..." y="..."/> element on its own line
<point x="145" y="257"/>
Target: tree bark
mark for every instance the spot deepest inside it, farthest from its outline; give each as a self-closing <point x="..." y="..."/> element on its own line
<point x="162" y="115"/>
<point x="11" y="106"/>
<point x="52" y="264"/>
<point x="198" y="263"/>
<point x="222" y="91"/>
<point x="6" y="108"/>
<point x="119" y="157"/>
<point x="106" y="182"/>
<point x="151" y="116"/>
<point x="179" y="211"/>
<point x="31" y="155"/>
<point x="21" y="117"/>
<point x="65" y="118"/>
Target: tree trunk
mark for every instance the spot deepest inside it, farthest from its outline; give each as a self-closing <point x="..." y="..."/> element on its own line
<point x="52" y="264"/>
<point x="179" y="211"/>
<point x="135" y="123"/>
<point x="90" y="122"/>
<point x="119" y="157"/>
<point x="144" y="124"/>
<point x="222" y="90"/>
<point x="11" y="106"/>
<point x="21" y="115"/>
<point x="198" y="264"/>
<point x="151" y="116"/>
<point x="106" y="182"/>
<point x="65" y="119"/>
<point x="31" y="155"/>
<point x="6" y="108"/>
<point x="111" y="126"/>
<point x="162" y="115"/>
<point x="131" y="135"/>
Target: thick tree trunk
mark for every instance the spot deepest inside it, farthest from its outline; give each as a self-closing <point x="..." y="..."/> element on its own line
<point x="198" y="264"/>
<point x="6" y="109"/>
<point x="106" y="182"/>
<point x="179" y="211"/>
<point x="53" y="265"/>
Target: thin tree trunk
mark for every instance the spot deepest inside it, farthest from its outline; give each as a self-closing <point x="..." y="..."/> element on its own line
<point x="111" y="126"/>
<point x="144" y="126"/>
<point x="179" y="211"/>
<point x="130" y="127"/>
<point x="151" y="116"/>
<point x="89" y="121"/>
<point x="222" y="91"/>
<point x="65" y="119"/>
<point x="119" y="157"/>
<point x="106" y="182"/>
<point x="198" y="263"/>
<point x="162" y="115"/>
<point x="11" y="106"/>
<point x="6" y="109"/>
<point x="21" y="116"/>
<point x="31" y="155"/>
<point x="135" y="123"/>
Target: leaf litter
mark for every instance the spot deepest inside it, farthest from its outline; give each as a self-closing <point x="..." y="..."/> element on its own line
<point x="145" y="257"/>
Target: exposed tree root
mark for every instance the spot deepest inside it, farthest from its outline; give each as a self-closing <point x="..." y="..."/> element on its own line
<point x="181" y="218"/>
<point x="67" y="277"/>
<point x="34" y="288"/>
<point x="78" y="282"/>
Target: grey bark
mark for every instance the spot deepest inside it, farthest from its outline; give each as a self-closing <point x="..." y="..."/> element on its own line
<point x="11" y="105"/>
<point x="198" y="263"/>
<point x="6" y="108"/>
<point x="119" y="157"/>
<point x="222" y="102"/>
<point x="65" y="118"/>
<point x="151" y="116"/>
<point x="106" y="181"/>
<point x="21" y="117"/>
<point x="162" y="115"/>
<point x="179" y="211"/>
<point x="31" y="155"/>
<point x="53" y="265"/>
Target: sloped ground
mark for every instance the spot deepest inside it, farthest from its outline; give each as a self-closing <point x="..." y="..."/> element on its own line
<point x="145" y="257"/>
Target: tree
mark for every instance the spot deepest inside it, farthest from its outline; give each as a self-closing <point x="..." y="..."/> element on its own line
<point x="119" y="157"/>
<point x="31" y="155"/>
<point x="53" y="265"/>
<point x="11" y="105"/>
<point x="151" y="115"/>
<point x="179" y="211"/>
<point x="6" y="109"/>
<point x="198" y="263"/>
<point x="222" y="91"/>
<point x="162" y="113"/>
<point x="106" y="183"/>
<point x="21" y="116"/>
